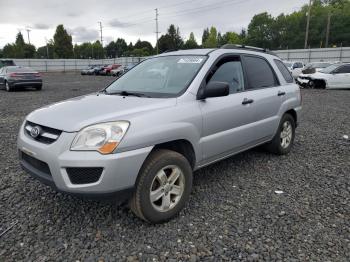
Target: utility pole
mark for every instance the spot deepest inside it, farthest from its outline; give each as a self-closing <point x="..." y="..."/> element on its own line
<point x="100" y="23"/>
<point x="28" y="31"/>
<point x="157" y="30"/>
<point x="47" y="48"/>
<point x="328" y="28"/>
<point x="307" y="25"/>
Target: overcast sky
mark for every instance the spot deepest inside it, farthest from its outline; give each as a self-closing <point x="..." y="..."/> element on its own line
<point x="130" y="20"/>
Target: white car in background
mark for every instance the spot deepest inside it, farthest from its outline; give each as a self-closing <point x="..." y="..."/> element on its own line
<point x="336" y="76"/>
<point x="308" y="70"/>
<point x="117" y="71"/>
<point x="294" y="67"/>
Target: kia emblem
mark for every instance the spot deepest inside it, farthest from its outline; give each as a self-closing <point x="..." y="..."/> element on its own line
<point x="35" y="131"/>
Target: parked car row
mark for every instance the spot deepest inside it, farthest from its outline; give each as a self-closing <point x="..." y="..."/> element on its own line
<point x="111" y="70"/>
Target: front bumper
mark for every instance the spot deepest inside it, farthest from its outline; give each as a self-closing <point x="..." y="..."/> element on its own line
<point x="303" y="81"/>
<point x="119" y="173"/>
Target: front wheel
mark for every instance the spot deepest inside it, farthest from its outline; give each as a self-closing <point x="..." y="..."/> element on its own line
<point x="282" y="142"/>
<point x="163" y="186"/>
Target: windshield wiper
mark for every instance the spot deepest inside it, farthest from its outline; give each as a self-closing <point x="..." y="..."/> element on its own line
<point x="127" y="93"/>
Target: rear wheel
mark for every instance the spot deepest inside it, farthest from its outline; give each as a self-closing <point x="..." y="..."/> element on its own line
<point x="38" y="88"/>
<point x="8" y="87"/>
<point x="282" y="142"/>
<point x="163" y="186"/>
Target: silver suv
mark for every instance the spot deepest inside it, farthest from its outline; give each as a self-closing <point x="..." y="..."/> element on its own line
<point x="142" y="137"/>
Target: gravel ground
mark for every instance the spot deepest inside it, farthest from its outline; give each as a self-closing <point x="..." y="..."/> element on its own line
<point x="233" y="214"/>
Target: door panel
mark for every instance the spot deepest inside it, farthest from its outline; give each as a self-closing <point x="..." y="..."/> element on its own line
<point x="341" y="77"/>
<point x="226" y="119"/>
<point x="266" y="106"/>
<point x="342" y="80"/>
<point x="268" y="95"/>
<point x="226" y="124"/>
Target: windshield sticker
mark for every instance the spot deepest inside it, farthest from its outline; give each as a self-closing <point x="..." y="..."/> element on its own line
<point x="190" y="60"/>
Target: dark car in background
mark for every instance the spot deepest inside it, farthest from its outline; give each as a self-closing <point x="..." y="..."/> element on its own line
<point x="6" y="62"/>
<point x="96" y="70"/>
<point x="14" y="77"/>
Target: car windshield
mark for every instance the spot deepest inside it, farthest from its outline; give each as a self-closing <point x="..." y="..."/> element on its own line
<point x="329" y="69"/>
<point x="165" y="76"/>
<point x="19" y="70"/>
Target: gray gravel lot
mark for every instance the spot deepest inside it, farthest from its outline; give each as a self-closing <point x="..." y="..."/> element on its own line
<point x="233" y="214"/>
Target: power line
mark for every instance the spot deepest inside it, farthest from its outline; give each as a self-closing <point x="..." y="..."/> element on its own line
<point x="211" y="6"/>
<point x="160" y="7"/>
<point x="204" y="8"/>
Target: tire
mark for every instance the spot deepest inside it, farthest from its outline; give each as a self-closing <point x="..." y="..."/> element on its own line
<point x="159" y="166"/>
<point x="311" y="84"/>
<point x="38" y="88"/>
<point x="8" y="88"/>
<point x="278" y="145"/>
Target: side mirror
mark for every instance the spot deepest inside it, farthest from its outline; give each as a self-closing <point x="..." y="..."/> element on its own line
<point x="214" y="89"/>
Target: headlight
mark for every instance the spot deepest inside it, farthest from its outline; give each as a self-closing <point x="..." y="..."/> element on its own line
<point x="103" y="138"/>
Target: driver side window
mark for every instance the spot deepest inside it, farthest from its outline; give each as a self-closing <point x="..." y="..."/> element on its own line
<point x="229" y="71"/>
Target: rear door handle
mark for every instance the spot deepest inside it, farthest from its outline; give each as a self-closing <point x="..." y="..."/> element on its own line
<point x="281" y="93"/>
<point x="247" y="101"/>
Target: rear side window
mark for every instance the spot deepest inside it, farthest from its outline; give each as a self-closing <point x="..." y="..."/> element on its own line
<point x="284" y="71"/>
<point x="259" y="73"/>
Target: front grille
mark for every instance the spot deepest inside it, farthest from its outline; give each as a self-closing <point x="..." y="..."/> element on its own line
<point x="36" y="163"/>
<point x="47" y="135"/>
<point x="84" y="175"/>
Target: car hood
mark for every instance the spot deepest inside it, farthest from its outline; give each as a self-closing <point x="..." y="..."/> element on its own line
<point x="319" y="75"/>
<point x="74" y="114"/>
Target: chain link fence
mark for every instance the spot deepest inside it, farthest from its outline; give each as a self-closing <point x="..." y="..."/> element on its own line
<point x="64" y="65"/>
<point x="339" y="54"/>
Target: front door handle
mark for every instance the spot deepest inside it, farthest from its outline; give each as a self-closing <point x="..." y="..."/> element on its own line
<point x="247" y="101"/>
<point x="281" y="93"/>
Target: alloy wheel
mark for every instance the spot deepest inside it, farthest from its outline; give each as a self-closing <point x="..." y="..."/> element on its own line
<point x="167" y="188"/>
<point x="286" y="134"/>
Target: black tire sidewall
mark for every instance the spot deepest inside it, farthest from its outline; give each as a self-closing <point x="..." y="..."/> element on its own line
<point x="286" y="117"/>
<point x="8" y="87"/>
<point x="148" y="211"/>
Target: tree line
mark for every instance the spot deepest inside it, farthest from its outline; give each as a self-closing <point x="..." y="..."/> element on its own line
<point x="264" y="30"/>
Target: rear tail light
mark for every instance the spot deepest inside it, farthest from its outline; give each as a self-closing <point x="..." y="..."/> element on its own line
<point x="37" y="75"/>
<point x="13" y="75"/>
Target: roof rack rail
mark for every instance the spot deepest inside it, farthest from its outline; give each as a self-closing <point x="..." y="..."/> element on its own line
<point x="247" y="47"/>
<point x="170" y="50"/>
